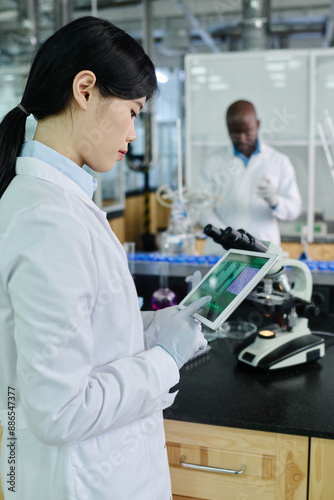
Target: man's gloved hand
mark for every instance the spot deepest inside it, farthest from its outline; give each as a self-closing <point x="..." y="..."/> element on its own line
<point x="267" y="191"/>
<point x="181" y="336"/>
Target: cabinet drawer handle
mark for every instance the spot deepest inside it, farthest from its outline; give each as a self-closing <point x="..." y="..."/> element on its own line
<point x="211" y="469"/>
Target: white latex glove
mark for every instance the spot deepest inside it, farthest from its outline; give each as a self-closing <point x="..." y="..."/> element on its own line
<point x="196" y="278"/>
<point x="153" y="320"/>
<point x="181" y="336"/>
<point x="267" y="191"/>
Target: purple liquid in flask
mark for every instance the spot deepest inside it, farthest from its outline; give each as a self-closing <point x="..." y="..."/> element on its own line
<point x="164" y="296"/>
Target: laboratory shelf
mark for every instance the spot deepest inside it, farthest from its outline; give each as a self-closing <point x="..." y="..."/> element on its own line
<point x="172" y="265"/>
<point x="154" y="264"/>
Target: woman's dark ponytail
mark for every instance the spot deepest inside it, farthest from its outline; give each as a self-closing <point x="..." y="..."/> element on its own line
<point x="121" y="67"/>
<point x="12" y="134"/>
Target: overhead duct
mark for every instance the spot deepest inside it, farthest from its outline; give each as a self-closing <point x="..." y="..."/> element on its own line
<point x="63" y="13"/>
<point x="28" y="19"/>
<point x="25" y="39"/>
<point x="204" y="34"/>
<point x="255" y="24"/>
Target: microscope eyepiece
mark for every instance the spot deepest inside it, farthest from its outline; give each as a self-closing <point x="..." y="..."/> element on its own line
<point x="232" y="238"/>
<point x="213" y="231"/>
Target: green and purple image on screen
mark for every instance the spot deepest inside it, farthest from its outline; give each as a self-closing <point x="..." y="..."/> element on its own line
<point x="229" y="282"/>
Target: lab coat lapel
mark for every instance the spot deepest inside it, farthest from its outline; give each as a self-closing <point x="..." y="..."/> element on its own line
<point x="102" y="218"/>
<point x="41" y="170"/>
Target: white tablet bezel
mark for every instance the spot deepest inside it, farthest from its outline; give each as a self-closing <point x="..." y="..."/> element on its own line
<point x="272" y="258"/>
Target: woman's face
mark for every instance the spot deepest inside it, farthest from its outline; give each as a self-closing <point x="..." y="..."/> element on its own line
<point x="108" y="131"/>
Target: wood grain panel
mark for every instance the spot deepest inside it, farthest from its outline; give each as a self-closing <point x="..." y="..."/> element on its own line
<point x="118" y="227"/>
<point x="134" y="218"/>
<point x="316" y="251"/>
<point x="292" y="467"/>
<point x="276" y="464"/>
<point x="217" y="437"/>
<point x="177" y="497"/>
<point x="321" y="464"/>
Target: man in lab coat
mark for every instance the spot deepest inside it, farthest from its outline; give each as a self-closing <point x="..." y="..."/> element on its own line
<point x="255" y="184"/>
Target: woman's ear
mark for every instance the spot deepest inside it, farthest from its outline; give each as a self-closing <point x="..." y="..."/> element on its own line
<point x="83" y="86"/>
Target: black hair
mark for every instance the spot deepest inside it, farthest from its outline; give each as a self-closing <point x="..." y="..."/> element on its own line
<point x="121" y="67"/>
<point x="238" y="108"/>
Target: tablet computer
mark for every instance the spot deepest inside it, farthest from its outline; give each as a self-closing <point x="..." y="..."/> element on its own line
<point x="229" y="282"/>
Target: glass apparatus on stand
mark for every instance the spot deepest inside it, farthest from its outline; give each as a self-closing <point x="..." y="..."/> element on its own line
<point x="179" y="237"/>
<point x="163" y="296"/>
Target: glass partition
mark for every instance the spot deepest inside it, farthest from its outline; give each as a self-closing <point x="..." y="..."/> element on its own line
<point x="324" y="163"/>
<point x="291" y="91"/>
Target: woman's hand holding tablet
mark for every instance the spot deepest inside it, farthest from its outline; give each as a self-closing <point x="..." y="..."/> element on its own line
<point x="181" y="336"/>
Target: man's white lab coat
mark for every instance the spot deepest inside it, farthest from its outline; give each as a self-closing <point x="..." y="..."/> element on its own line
<point x="89" y="398"/>
<point x="235" y="185"/>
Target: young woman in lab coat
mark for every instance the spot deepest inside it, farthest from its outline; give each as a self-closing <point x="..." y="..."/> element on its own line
<point x="83" y="381"/>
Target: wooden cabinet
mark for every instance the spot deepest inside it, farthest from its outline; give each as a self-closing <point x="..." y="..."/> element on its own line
<point x="275" y="465"/>
<point x="321" y="469"/>
<point x="258" y="465"/>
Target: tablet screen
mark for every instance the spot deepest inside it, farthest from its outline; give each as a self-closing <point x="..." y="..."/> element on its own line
<point x="228" y="283"/>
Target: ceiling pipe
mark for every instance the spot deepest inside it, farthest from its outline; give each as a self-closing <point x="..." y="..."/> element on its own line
<point x="148" y="44"/>
<point x="110" y="4"/>
<point x="329" y="31"/>
<point x="28" y="22"/>
<point x="278" y="27"/>
<point x="203" y="33"/>
<point x="255" y="24"/>
<point x="63" y="13"/>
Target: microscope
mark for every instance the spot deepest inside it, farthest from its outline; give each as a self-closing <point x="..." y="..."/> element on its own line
<point x="284" y="301"/>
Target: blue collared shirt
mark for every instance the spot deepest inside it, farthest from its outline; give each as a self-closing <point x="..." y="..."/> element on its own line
<point x="35" y="149"/>
<point x="243" y="157"/>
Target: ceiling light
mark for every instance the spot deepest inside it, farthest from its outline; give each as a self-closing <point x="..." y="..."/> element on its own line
<point x="161" y="77"/>
<point x="8" y="78"/>
<point x="275" y="66"/>
<point x="277" y="76"/>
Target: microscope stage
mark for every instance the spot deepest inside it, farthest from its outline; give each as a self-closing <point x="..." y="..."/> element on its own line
<point x="285" y="349"/>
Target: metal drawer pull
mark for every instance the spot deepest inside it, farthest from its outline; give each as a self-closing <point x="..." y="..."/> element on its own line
<point x="211" y="469"/>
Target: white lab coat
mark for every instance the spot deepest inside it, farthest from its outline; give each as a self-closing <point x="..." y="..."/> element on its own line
<point x="89" y="397"/>
<point x="226" y="176"/>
